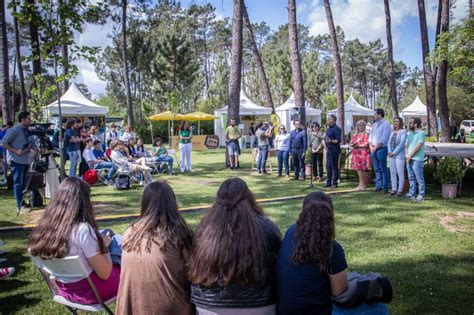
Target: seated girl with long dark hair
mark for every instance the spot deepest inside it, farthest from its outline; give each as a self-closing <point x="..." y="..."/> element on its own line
<point x="311" y="267"/>
<point x="155" y="250"/>
<point x="68" y="228"/>
<point x="232" y="261"/>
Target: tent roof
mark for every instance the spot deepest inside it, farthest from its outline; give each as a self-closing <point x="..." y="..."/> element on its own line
<point x="74" y="103"/>
<point x="290" y="104"/>
<point x="353" y="107"/>
<point x="248" y="107"/>
<point x="417" y="108"/>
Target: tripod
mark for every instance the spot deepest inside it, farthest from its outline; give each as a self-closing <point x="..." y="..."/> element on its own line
<point x="311" y="185"/>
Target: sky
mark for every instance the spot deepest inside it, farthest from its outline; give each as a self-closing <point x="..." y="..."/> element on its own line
<point x="363" y="19"/>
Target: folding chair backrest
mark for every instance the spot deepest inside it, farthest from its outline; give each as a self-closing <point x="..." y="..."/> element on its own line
<point x="65" y="267"/>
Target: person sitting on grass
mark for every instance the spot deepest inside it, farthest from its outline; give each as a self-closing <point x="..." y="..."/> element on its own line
<point x="158" y="247"/>
<point x="232" y="259"/>
<point x="160" y="154"/>
<point x="311" y="269"/>
<point x="68" y="228"/>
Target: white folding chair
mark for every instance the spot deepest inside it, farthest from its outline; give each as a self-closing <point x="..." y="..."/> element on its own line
<point x="70" y="267"/>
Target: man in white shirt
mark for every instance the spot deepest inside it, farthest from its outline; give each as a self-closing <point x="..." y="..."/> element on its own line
<point x="378" y="143"/>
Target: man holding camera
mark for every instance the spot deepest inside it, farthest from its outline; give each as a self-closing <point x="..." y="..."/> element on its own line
<point x="18" y="142"/>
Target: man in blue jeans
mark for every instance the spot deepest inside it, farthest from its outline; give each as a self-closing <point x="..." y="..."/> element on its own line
<point x="378" y="142"/>
<point x="415" y="155"/>
<point x="72" y="141"/>
<point x="18" y="142"/>
<point x="333" y="145"/>
<point x="262" y="133"/>
<point x="298" y="145"/>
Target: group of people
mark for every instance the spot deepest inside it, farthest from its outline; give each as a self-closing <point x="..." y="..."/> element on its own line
<point x="85" y="149"/>
<point x="234" y="263"/>
<point x="402" y="148"/>
<point x="371" y="149"/>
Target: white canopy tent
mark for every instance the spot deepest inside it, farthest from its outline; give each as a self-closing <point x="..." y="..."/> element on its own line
<point x="288" y="109"/>
<point x="354" y="112"/>
<point x="415" y="109"/>
<point x="75" y="104"/>
<point x="249" y="112"/>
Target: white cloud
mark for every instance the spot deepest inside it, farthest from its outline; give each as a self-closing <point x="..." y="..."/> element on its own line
<point x="365" y="19"/>
<point x="96" y="36"/>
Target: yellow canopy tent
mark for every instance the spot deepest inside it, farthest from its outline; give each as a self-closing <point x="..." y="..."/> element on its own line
<point x="167" y="116"/>
<point x="199" y="116"/>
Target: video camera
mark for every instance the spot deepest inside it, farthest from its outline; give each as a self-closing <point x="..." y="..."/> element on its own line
<point x="40" y="130"/>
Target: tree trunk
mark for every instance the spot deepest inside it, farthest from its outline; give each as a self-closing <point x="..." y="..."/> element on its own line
<point x="65" y="55"/>
<point x="35" y="42"/>
<point x="442" y="72"/>
<point x="336" y="58"/>
<point x="125" y="64"/>
<point x="470" y="8"/>
<point x="427" y="71"/>
<point x="258" y="61"/>
<point x="391" y="70"/>
<point x="18" y="59"/>
<point x="296" y="74"/>
<point x="4" y="71"/>
<point x="236" y="64"/>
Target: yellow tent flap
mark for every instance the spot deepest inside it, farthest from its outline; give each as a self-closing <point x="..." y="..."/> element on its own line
<point x="164" y="116"/>
<point x="197" y="116"/>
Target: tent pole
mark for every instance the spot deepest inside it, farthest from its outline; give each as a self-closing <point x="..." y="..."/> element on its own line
<point x="199" y="127"/>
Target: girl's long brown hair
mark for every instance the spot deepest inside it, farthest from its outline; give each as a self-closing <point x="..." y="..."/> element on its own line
<point x="70" y="206"/>
<point x="229" y="244"/>
<point x="160" y="222"/>
<point x="315" y="231"/>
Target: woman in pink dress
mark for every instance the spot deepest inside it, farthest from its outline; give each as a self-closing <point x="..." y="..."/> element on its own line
<point x="360" y="153"/>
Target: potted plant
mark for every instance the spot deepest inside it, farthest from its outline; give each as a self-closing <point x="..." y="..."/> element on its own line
<point x="449" y="174"/>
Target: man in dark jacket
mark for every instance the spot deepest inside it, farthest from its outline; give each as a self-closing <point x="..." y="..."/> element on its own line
<point x="333" y="145"/>
<point x="298" y="144"/>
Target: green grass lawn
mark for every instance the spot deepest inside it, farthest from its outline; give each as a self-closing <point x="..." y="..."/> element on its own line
<point x="431" y="265"/>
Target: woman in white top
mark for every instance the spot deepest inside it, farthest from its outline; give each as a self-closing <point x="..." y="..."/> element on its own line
<point x="120" y="160"/>
<point x="282" y="142"/>
<point x="68" y="228"/>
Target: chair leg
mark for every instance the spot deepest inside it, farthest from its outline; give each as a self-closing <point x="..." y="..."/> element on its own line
<point x="72" y="310"/>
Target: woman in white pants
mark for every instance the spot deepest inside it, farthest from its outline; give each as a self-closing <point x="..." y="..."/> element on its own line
<point x="185" y="146"/>
<point x="396" y="154"/>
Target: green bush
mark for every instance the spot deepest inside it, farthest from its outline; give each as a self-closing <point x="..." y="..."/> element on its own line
<point x="448" y="171"/>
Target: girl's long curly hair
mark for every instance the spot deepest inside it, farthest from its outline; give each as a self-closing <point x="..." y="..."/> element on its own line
<point x="315" y="231"/>
<point x="229" y="244"/>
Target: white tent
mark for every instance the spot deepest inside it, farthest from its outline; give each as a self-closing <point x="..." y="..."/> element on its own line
<point x="75" y="104"/>
<point x="415" y="109"/>
<point x="288" y="109"/>
<point x="249" y="112"/>
<point x="354" y="112"/>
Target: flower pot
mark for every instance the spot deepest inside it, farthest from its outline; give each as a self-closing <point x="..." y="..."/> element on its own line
<point x="449" y="191"/>
<point x="367" y="177"/>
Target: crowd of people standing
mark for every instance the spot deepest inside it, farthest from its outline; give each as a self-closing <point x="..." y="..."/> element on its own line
<point x="371" y="146"/>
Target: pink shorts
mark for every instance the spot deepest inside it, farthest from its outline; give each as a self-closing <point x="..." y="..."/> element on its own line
<point x="81" y="292"/>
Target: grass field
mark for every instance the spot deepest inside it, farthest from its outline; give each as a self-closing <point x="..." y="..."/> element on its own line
<point x="427" y="249"/>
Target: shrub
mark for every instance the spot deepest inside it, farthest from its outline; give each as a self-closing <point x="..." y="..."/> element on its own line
<point x="448" y="171"/>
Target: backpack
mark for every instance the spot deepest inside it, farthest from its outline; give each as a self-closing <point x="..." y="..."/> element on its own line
<point x="122" y="182"/>
<point x="36" y="200"/>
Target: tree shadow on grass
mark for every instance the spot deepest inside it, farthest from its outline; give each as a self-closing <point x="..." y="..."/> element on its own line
<point x="433" y="284"/>
<point x="18" y="302"/>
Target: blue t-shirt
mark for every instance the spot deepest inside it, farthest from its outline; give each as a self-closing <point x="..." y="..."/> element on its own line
<point x="302" y="288"/>
<point x="98" y="153"/>
<point x="70" y="146"/>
